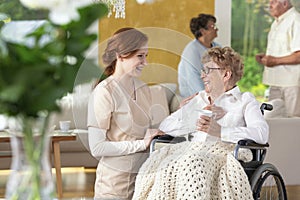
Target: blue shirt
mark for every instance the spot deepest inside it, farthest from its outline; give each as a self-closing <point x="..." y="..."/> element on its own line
<point x="189" y="68"/>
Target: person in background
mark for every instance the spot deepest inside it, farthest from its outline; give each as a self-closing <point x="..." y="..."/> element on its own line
<point x="119" y="117"/>
<point x="282" y="57"/>
<point x="205" y="31"/>
<point x="205" y="168"/>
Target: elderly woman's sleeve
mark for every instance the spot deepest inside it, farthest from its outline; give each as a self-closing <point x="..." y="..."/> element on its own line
<point x="256" y="128"/>
<point x="179" y="123"/>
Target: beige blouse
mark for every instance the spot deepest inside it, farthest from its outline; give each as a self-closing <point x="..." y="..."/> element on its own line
<point x="125" y="120"/>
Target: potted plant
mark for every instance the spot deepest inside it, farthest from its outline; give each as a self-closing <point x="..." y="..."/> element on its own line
<point x="32" y="78"/>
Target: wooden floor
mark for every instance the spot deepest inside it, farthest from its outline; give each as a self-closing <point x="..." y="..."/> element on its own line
<point x="78" y="183"/>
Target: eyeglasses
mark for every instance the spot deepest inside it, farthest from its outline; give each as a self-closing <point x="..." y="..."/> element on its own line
<point x="213" y="26"/>
<point x="207" y="70"/>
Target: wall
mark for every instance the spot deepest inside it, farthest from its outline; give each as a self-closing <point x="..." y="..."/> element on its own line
<point x="166" y="22"/>
<point x="223" y="15"/>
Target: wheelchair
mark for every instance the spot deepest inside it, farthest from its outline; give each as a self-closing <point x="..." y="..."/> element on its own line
<point x="264" y="178"/>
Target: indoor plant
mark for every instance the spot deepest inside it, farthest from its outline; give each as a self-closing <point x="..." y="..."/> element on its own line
<point x="33" y="77"/>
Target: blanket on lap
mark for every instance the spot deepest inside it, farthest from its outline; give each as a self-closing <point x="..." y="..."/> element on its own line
<point x="192" y="170"/>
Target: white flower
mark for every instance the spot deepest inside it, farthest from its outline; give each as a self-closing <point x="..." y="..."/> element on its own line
<point x="63" y="14"/>
<point x="60" y="11"/>
<point x="39" y="4"/>
<point x="64" y="11"/>
<point x="144" y="1"/>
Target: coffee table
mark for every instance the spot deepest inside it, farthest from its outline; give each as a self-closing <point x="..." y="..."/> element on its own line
<point x="56" y="138"/>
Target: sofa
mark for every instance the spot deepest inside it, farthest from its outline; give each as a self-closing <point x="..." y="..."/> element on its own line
<point x="74" y="108"/>
<point x="284" y="132"/>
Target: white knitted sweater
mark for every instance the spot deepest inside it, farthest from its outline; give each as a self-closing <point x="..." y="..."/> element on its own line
<point x="192" y="170"/>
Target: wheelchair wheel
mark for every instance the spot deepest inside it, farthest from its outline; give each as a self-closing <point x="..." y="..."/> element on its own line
<point x="267" y="183"/>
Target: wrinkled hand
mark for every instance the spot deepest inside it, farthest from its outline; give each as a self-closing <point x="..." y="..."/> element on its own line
<point x="150" y="134"/>
<point x="203" y="123"/>
<point x="209" y="125"/>
<point x="218" y="112"/>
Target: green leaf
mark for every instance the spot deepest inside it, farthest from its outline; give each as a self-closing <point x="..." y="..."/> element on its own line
<point x="11" y="93"/>
<point x="90" y="13"/>
<point x="34" y="77"/>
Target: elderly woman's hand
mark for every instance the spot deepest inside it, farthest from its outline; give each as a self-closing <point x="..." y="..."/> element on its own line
<point x="209" y="125"/>
<point x="218" y="112"/>
<point x="203" y="123"/>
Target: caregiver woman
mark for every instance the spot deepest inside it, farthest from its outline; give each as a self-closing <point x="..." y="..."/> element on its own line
<point x="119" y="116"/>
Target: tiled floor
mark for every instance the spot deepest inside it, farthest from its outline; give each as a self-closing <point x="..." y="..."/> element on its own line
<point x="78" y="183"/>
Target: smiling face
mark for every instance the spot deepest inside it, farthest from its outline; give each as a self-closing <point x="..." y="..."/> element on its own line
<point x="134" y="64"/>
<point x="214" y="79"/>
<point x="222" y="69"/>
<point x="125" y="54"/>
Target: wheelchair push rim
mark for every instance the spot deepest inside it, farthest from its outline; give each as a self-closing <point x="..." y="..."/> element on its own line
<point x="268" y="184"/>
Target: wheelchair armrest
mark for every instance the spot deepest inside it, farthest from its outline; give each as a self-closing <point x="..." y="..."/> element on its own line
<point x="168" y="139"/>
<point x="258" y="150"/>
<point x="164" y="138"/>
<point x="251" y="144"/>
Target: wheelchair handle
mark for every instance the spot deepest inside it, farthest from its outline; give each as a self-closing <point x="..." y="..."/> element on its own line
<point x="265" y="106"/>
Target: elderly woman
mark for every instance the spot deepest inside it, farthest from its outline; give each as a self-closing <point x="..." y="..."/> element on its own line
<point x="205" y="167"/>
<point x="205" y="31"/>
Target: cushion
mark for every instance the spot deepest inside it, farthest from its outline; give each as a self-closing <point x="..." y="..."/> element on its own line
<point x="74" y="105"/>
<point x="160" y="107"/>
<point x="278" y="109"/>
<point x="175" y="102"/>
<point x="170" y="89"/>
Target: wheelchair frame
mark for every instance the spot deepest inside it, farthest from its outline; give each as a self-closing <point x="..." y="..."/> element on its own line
<point x="259" y="173"/>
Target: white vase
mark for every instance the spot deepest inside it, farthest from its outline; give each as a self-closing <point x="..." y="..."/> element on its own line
<point x="30" y="176"/>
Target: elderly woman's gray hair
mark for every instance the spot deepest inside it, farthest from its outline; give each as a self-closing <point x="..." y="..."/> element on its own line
<point x="228" y="59"/>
